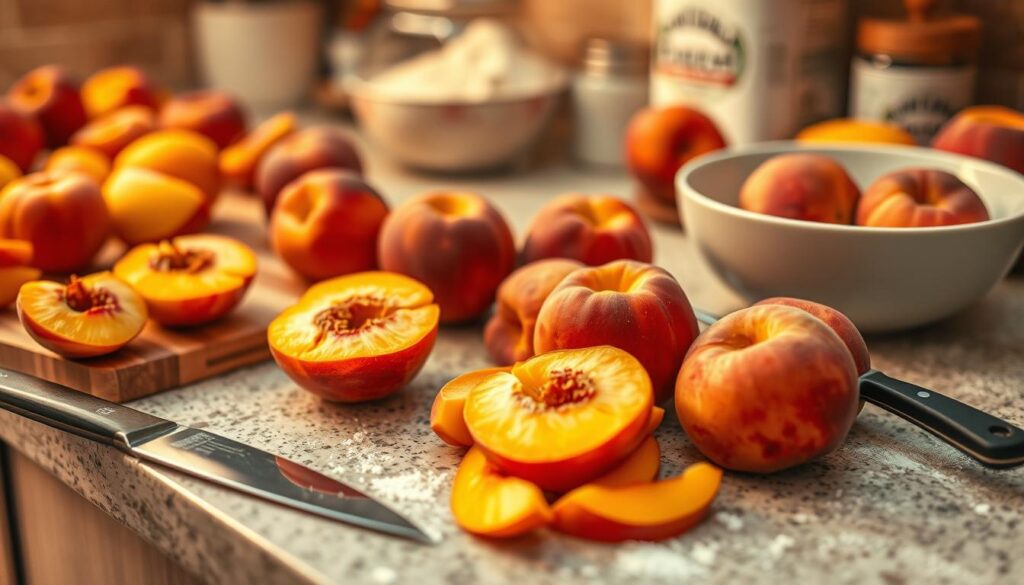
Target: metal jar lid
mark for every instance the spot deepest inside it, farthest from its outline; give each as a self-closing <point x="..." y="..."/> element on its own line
<point x="615" y="58"/>
<point x="923" y="36"/>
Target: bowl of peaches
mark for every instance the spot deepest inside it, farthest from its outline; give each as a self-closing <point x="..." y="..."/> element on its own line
<point x="895" y="237"/>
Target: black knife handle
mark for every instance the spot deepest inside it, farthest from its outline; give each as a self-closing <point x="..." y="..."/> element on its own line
<point x="77" y="412"/>
<point x="989" y="439"/>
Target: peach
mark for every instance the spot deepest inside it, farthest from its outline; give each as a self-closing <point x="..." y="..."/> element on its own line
<point x="238" y="162"/>
<point x="326" y="224"/>
<point x="15" y="269"/>
<point x="8" y="171"/>
<point x="21" y="137"/>
<point x="767" y="388"/>
<point x="446" y="418"/>
<point x="111" y="133"/>
<point x="645" y="511"/>
<point x="593" y="229"/>
<point x="15" y="253"/>
<point x="190" y="280"/>
<point x="919" y="198"/>
<point x="489" y="503"/>
<point x="214" y="114"/>
<point x="181" y="154"/>
<point x="660" y="141"/>
<point x="809" y="187"/>
<point x="993" y="133"/>
<point x="838" y="322"/>
<point x="562" y="418"/>
<point x="62" y="214"/>
<point x="88" y="317"/>
<point x="113" y="88"/>
<point x="640" y="467"/>
<point x="50" y="95"/>
<point x="456" y="243"/>
<point x="357" y="337"/>
<point x="849" y="130"/>
<point x="630" y="305"/>
<point x="147" y="206"/>
<point x="509" y="332"/>
<point x="313" y="148"/>
<point x="79" y="159"/>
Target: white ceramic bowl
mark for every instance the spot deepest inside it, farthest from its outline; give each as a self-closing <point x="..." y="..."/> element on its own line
<point x="453" y="136"/>
<point x="884" y="279"/>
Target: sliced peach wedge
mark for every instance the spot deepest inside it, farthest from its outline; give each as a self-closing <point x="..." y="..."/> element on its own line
<point x="486" y="502"/>
<point x="90" y="316"/>
<point x="15" y="257"/>
<point x="562" y="418"/>
<point x="356" y="337"/>
<point x="190" y="280"/>
<point x="639" y="511"/>
<point x="446" y="419"/>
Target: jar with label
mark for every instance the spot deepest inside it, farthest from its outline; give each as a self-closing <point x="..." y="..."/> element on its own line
<point x="761" y="70"/>
<point x="610" y="87"/>
<point x="915" y="73"/>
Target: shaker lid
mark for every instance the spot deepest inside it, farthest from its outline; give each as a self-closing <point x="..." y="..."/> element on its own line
<point x="923" y="36"/>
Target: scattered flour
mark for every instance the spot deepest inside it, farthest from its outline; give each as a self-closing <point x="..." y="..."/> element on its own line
<point x="384" y="575"/>
<point x="780" y="545"/>
<point x="644" y="562"/>
<point x="732" y="522"/>
<point x="414" y="486"/>
<point x="982" y="509"/>
<point x="705" y="553"/>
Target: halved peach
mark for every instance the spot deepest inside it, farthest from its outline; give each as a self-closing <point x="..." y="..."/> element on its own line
<point x="646" y="511"/>
<point x="238" y="162"/>
<point x="147" y="206"/>
<point x="486" y="502"/>
<point x="190" y="280"/>
<point x="562" y="418"/>
<point x="446" y="418"/>
<point x="116" y="130"/>
<point x="356" y="337"/>
<point x="90" y="316"/>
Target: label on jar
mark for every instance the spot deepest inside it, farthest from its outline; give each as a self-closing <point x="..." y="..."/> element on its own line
<point x="760" y="70"/>
<point x="918" y="99"/>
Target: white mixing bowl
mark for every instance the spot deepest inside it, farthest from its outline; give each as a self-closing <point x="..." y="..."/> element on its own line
<point x="884" y="279"/>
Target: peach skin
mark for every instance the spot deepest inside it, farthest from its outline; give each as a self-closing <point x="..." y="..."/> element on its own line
<point x="21" y="137"/>
<point x="808" y="187"/>
<point x="111" y="133"/>
<point x="8" y="171"/>
<point x="61" y="213"/>
<point x="238" y="162"/>
<point x="509" y="332"/>
<point x="838" y="322"/>
<point x="314" y="148"/>
<point x="79" y="159"/>
<point x="50" y="95"/>
<point x="15" y="269"/>
<point x="489" y="503"/>
<point x="357" y="337"/>
<point x="993" y="133"/>
<point x="181" y="154"/>
<point x="90" y="316"/>
<point x="113" y="88"/>
<point x="562" y="418"/>
<point x="212" y="113"/>
<point x="849" y="130"/>
<point x="147" y="206"/>
<point x="593" y="229"/>
<point x="630" y="305"/>
<point x="326" y="224"/>
<point x="767" y="388"/>
<point x="919" y="198"/>
<point x="456" y="243"/>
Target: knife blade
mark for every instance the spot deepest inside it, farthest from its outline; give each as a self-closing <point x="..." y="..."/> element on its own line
<point x="200" y="453"/>
<point x="988" y="439"/>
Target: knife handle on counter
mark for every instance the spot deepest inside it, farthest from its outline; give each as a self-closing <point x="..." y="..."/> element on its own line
<point x="989" y="439"/>
<point x="77" y="412"/>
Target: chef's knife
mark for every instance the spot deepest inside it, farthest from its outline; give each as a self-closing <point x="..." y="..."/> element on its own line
<point x="200" y="453"/>
<point x="988" y="439"/>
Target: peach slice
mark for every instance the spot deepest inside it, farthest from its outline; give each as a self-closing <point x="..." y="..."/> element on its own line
<point x="190" y="280"/>
<point x="90" y="316"/>
<point x="147" y="206"/>
<point x="647" y="511"/>
<point x="562" y="418"/>
<point x="640" y="467"/>
<point x="657" y="415"/>
<point x="238" y="162"/>
<point x="446" y="414"/>
<point x="356" y="337"/>
<point x="488" y="503"/>
<point x="11" y="279"/>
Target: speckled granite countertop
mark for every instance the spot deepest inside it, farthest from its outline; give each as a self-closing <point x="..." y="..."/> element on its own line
<point x="892" y="506"/>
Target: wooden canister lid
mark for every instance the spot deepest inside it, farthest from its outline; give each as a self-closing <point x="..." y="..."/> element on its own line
<point x="922" y="36"/>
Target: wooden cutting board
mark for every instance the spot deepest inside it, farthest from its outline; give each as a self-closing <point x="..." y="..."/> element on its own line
<point x="160" y="358"/>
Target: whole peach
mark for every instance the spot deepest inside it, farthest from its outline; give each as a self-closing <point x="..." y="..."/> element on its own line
<point x="21" y="138"/>
<point x="838" y="322"/>
<point x="993" y="133"/>
<point x="92" y="163"/>
<point x="767" y="388"/>
<point x="113" y="88"/>
<point x="111" y="133"/>
<point x="809" y="187"/>
<point x="661" y="140"/>
<point x="313" y="148"/>
<point x="50" y="95"/>
<point x="326" y="224"/>
<point x="456" y="243"/>
<point x="214" y="114"/>
<point x="919" y="198"/>
<point x="61" y="213"/>
<point x="509" y="333"/>
<point x="631" y="305"/>
<point x="593" y="229"/>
